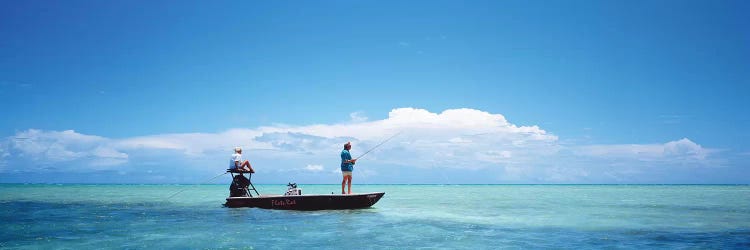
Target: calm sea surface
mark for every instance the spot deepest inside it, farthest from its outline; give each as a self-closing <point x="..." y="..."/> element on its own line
<point x="408" y="217"/>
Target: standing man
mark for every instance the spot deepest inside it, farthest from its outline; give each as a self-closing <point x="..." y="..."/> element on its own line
<point x="236" y="162"/>
<point x="347" y="166"/>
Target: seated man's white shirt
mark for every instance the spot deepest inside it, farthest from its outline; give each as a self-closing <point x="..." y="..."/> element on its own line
<point x="235" y="158"/>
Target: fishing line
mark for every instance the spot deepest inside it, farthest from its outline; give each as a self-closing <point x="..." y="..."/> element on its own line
<point x="376" y="146"/>
<point x="209" y="180"/>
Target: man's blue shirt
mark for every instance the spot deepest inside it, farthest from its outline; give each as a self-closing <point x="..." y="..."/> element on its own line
<point x="344" y="157"/>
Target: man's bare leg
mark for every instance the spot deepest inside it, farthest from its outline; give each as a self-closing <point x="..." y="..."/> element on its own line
<point x="247" y="164"/>
<point x="349" y="178"/>
<point x="343" y="183"/>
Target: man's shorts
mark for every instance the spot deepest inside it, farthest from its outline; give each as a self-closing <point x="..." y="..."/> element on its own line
<point x="346" y="173"/>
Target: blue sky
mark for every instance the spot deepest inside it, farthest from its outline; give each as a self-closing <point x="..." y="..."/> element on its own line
<point x="485" y="92"/>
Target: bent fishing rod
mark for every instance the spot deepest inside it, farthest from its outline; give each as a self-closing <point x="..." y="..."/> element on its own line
<point x="178" y="192"/>
<point x="376" y="146"/>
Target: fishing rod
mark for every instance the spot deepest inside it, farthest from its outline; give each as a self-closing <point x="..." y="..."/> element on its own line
<point x="376" y="146"/>
<point x="209" y="180"/>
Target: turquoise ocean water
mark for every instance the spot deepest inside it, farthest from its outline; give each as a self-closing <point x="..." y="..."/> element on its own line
<point x="408" y="217"/>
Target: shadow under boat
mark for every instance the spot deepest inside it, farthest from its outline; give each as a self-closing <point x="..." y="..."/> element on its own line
<point x="241" y="195"/>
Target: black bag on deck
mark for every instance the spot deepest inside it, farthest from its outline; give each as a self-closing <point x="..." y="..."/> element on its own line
<point x="239" y="186"/>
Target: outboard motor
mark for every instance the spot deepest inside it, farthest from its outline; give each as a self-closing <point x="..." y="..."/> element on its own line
<point x="293" y="190"/>
<point x="239" y="185"/>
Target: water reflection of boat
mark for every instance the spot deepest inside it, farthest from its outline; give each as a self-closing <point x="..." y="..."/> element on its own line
<point x="241" y="195"/>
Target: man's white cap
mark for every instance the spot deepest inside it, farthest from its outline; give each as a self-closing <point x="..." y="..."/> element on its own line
<point x="237" y="149"/>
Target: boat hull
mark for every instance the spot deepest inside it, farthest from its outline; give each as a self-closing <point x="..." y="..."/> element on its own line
<point x="308" y="202"/>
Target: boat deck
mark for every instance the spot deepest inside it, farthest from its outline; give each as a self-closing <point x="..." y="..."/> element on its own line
<point x="307" y="201"/>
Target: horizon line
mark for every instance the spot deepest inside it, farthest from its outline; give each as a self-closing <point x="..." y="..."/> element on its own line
<point x="422" y="184"/>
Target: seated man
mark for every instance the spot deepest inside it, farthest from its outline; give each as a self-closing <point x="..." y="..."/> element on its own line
<point x="237" y="163"/>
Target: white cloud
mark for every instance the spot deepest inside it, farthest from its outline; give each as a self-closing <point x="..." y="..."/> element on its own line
<point x="358" y="116"/>
<point x="3" y="154"/>
<point x="494" y="156"/>
<point x="563" y="174"/>
<point x="52" y="147"/>
<point x="682" y="150"/>
<point x="460" y="139"/>
<point x="104" y="156"/>
<point x="59" y="146"/>
<point x="314" y="168"/>
<point x="448" y="139"/>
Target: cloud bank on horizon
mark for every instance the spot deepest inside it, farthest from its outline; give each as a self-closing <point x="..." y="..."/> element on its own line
<point x="456" y="145"/>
